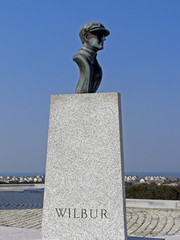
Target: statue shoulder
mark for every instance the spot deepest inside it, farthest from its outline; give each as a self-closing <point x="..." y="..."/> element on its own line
<point x="84" y="68"/>
<point x="80" y="58"/>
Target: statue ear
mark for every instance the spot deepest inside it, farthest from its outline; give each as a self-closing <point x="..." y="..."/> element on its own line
<point x="85" y="37"/>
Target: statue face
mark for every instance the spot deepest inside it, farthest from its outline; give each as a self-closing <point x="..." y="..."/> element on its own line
<point x="96" y="41"/>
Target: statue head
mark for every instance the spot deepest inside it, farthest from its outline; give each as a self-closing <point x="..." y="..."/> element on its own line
<point x="93" y="35"/>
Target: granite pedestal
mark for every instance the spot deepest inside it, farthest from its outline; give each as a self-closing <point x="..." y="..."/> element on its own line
<point x="84" y="189"/>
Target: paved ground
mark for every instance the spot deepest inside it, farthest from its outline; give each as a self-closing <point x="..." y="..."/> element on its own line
<point x="24" y="210"/>
<point x="153" y="222"/>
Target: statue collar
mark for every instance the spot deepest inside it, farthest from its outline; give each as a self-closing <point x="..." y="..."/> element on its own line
<point x="90" y="54"/>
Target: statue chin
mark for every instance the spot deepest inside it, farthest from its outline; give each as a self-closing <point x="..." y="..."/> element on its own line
<point x="97" y="47"/>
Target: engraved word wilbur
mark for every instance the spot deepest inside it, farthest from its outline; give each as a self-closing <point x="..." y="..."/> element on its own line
<point x="81" y="213"/>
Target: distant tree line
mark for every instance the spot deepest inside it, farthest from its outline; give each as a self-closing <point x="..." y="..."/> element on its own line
<point x="144" y="191"/>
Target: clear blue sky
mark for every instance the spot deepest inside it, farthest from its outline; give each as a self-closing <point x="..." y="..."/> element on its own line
<point x="141" y="60"/>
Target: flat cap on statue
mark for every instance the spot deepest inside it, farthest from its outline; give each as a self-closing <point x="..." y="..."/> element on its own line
<point x="93" y="27"/>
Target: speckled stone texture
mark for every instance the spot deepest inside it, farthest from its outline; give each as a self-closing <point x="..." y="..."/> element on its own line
<point x="84" y="191"/>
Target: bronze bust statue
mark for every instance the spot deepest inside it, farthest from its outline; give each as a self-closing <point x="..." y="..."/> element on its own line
<point x="92" y="36"/>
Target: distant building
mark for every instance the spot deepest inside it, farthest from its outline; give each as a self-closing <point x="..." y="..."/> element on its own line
<point x="142" y="180"/>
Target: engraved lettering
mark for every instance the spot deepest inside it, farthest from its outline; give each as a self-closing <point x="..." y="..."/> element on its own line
<point x="103" y="212"/>
<point x="69" y="212"/>
<point x="83" y="213"/>
<point x="60" y="212"/>
<point x="75" y="213"/>
<point x="91" y="214"/>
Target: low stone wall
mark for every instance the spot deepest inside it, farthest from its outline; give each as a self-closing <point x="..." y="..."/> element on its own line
<point x="20" y="187"/>
<point x="150" y="203"/>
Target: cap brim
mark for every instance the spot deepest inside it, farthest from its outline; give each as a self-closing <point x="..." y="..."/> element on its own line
<point x="104" y="30"/>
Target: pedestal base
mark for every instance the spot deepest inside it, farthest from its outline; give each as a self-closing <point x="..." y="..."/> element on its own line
<point x="84" y="189"/>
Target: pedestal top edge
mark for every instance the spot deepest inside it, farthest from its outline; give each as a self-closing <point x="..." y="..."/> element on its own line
<point x="86" y="94"/>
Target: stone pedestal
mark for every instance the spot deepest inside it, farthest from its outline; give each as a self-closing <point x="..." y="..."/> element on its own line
<point x="84" y="190"/>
